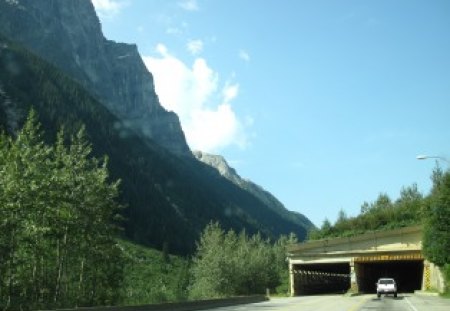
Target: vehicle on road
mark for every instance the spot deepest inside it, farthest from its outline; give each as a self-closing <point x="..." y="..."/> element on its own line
<point x="386" y="286"/>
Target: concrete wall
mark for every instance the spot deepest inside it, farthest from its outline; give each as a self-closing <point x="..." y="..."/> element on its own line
<point x="181" y="306"/>
<point x="403" y="239"/>
<point x="433" y="279"/>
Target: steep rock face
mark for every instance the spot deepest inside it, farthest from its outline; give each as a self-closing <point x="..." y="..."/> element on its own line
<point x="221" y="165"/>
<point x="168" y="199"/>
<point x="68" y="34"/>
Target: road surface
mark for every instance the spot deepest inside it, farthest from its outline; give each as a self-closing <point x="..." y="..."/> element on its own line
<point x="404" y="302"/>
<point x="407" y="302"/>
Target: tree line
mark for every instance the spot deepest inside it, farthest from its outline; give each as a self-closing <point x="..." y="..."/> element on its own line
<point x="60" y="246"/>
<point x="57" y="223"/>
<point x="230" y="264"/>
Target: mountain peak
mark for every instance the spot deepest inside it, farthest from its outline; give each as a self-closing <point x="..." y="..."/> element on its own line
<point x="220" y="164"/>
<point x="68" y="34"/>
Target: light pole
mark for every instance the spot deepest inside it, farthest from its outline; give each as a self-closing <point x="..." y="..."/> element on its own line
<point x="424" y="157"/>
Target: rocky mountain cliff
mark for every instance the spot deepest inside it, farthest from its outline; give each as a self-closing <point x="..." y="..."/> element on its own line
<point x="169" y="198"/>
<point x="68" y="34"/>
<point x="220" y="164"/>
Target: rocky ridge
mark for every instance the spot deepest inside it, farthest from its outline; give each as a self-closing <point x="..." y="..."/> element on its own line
<point x="220" y="164"/>
<point x="68" y="34"/>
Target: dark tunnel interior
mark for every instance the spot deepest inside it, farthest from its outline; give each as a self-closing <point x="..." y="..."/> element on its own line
<point x="407" y="274"/>
<point x="322" y="278"/>
<point x="328" y="278"/>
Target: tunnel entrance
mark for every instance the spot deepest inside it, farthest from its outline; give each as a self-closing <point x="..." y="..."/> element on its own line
<point x="407" y="273"/>
<point x="323" y="278"/>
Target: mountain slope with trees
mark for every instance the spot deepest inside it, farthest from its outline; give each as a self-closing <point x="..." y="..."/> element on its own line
<point x="68" y="35"/>
<point x="168" y="199"/>
<point x="221" y="165"/>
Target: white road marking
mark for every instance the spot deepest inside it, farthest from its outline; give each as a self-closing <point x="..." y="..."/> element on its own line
<point x="410" y="304"/>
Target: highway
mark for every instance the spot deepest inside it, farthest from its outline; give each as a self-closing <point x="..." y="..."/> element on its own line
<point x="404" y="302"/>
<point x="407" y="302"/>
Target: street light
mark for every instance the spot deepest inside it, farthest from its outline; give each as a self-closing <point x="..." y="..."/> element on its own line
<point x="424" y="157"/>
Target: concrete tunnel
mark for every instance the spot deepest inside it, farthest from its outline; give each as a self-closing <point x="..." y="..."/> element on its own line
<point x="321" y="278"/>
<point x="407" y="273"/>
<point x="356" y="263"/>
<point x="327" y="278"/>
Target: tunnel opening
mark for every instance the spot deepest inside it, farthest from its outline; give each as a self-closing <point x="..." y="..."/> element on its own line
<point x="407" y="273"/>
<point x="324" y="278"/>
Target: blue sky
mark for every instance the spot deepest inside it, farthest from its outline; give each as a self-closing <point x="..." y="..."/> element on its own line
<point x="325" y="104"/>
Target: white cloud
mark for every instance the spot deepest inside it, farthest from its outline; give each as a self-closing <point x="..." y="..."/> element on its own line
<point x="244" y="55"/>
<point x="189" y="5"/>
<point x="230" y="92"/>
<point x="204" y="107"/>
<point x="107" y="8"/>
<point x="195" y="46"/>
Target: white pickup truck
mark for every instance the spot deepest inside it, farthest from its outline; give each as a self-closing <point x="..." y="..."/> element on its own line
<point x="386" y="286"/>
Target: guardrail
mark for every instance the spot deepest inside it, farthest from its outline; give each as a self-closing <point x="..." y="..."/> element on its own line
<point x="180" y="306"/>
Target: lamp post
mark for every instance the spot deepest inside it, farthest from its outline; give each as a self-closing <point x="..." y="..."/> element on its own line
<point x="424" y="157"/>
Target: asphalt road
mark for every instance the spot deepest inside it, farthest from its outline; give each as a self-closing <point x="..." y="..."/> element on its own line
<point x="407" y="302"/>
<point x="404" y="302"/>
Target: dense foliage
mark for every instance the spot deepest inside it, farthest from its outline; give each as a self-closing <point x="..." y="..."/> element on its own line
<point x="437" y="224"/>
<point x="379" y="215"/>
<point x="229" y="264"/>
<point x="152" y="276"/>
<point x="57" y="232"/>
<point x="436" y="240"/>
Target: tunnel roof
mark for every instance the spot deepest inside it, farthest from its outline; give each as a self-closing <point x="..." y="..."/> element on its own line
<point x="402" y="239"/>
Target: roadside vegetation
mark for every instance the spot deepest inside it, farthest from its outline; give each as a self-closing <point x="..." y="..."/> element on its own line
<point x="57" y="223"/>
<point x="230" y="264"/>
<point x="226" y="264"/>
<point x="153" y="276"/>
<point x="411" y="208"/>
<point x="60" y="245"/>
<point x="436" y="240"/>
